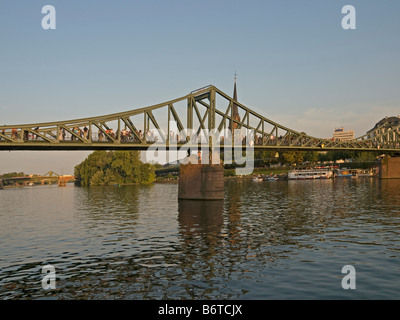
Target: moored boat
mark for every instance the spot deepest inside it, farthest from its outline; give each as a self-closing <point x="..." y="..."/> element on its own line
<point x="310" y="174"/>
<point x="365" y="173"/>
<point x="346" y="173"/>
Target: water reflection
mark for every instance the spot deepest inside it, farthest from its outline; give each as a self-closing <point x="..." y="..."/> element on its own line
<point x="201" y="219"/>
<point x="108" y="200"/>
<point x="284" y="239"/>
<point x="389" y="193"/>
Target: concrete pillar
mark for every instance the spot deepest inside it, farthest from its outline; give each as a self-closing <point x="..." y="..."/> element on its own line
<point x="201" y="182"/>
<point x="62" y="182"/>
<point x="390" y="168"/>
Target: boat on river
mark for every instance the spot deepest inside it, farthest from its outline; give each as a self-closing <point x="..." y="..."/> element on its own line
<point x="272" y="178"/>
<point x="310" y="174"/>
<point x="346" y="173"/>
<point x="365" y="174"/>
<point x="355" y="173"/>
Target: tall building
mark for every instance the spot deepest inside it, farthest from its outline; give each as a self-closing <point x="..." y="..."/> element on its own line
<point x="340" y="135"/>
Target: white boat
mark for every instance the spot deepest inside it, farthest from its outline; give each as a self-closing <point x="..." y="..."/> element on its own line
<point x="310" y="174"/>
<point x="257" y="179"/>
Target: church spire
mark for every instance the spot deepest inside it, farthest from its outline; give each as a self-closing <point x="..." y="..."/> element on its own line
<point x="235" y="110"/>
<point x="235" y="107"/>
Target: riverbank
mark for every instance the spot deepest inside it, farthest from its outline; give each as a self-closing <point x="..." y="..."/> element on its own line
<point x="230" y="174"/>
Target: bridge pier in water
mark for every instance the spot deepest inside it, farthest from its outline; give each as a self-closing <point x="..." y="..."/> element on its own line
<point x="198" y="181"/>
<point x="390" y="168"/>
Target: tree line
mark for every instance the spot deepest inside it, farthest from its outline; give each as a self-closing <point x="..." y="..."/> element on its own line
<point x="12" y="175"/>
<point x="298" y="157"/>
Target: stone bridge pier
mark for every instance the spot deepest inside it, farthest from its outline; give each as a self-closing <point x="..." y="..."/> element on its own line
<point x="390" y="168"/>
<point x="198" y="181"/>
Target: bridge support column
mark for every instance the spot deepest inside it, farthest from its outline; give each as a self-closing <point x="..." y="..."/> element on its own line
<point x="390" y="168"/>
<point x="62" y="182"/>
<point x="201" y="182"/>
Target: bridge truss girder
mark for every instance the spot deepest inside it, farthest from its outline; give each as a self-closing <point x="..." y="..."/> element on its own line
<point x="199" y="112"/>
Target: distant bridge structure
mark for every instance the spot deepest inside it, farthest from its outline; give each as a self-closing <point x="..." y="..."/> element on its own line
<point x="49" y="178"/>
<point x="171" y="123"/>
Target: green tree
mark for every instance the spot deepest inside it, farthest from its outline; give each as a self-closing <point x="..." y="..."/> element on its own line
<point x="291" y="157"/>
<point x="97" y="178"/>
<point x="12" y="175"/>
<point x="265" y="157"/>
<point x="366" y="156"/>
<point x="288" y="157"/>
<point x="113" y="167"/>
<point x="310" y="156"/>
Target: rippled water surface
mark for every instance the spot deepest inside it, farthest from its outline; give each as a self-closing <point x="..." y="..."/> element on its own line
<point x="266" y="240"/>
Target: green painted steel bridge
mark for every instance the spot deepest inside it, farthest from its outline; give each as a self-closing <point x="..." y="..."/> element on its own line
<point x="174" y="123"/>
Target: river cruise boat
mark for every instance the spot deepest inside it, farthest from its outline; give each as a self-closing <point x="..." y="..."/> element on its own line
<point x="310" y="174"/>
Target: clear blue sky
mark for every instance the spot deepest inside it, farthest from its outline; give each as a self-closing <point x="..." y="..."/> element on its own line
<point x="295" y="63"/>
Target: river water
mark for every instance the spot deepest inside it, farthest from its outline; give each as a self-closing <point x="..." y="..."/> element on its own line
<point x="266" y="240"/>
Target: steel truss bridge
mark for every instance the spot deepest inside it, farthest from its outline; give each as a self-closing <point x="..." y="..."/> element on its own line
<point x="49" y="177"/>
<point x="172" y="124"/>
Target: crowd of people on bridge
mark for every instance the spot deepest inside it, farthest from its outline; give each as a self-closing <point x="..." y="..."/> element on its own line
<point x="151" y="136"/>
